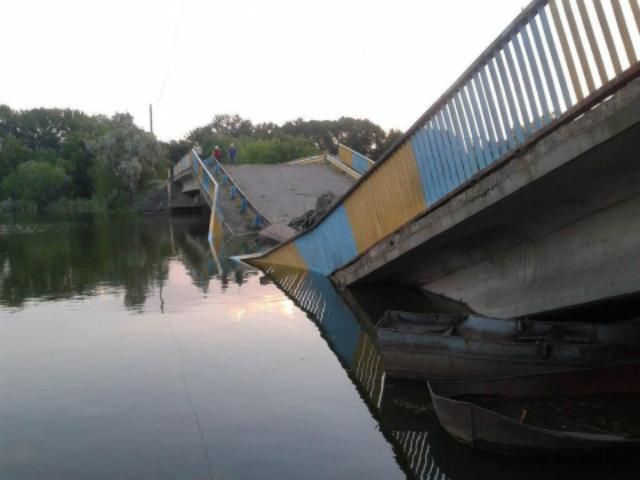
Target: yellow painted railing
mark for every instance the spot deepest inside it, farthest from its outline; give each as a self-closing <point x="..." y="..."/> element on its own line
<point x="193" y="165"/>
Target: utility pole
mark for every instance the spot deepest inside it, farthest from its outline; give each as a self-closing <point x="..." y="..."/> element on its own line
<point x="151" y="118"/>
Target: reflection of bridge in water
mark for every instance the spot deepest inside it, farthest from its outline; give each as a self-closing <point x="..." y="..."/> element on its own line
<point x="403" y="409"/>
<point x="206" y="262"/>
<point x="398" y="407"/>
<point x="355" y="349"/>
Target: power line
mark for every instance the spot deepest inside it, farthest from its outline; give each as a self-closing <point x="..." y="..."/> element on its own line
<point x="176" y="34"/>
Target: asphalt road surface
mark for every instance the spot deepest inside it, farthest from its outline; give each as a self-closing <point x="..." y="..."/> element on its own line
<point x="283" y="192"/>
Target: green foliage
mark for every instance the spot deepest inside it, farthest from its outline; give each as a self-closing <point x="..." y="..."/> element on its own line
<point x="231" y="126"/>
<point x="112" y="161"/>
<point x="79" y="161"/>
<point x="363" y="136"/>
<point x="105" y="158"/>
<point x="275" y="150"/>
<point x="175" y="150"/>
<point x="91" y="250"/>
<point x="126" y="160"/>
<point x="12" y="154"/>
<point x="392" y="137"/>
<point x="78" y="205"/>
<point x="36" y="183"/>
<point x="270" y="143"/>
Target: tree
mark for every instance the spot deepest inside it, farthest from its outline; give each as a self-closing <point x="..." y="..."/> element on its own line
<point x="392" y="137"/>
<point x="126" y="159"/>
<point x="36" y="183"/>
<point x="71" y="140"/>
<point x="175" y="150"/>
<point x="318" y="131"/>
<point x="265" y="130"/>
<point x="231" y="126"/>
<point x="6" y="121"/>
<point x="12" y="154"/>
<point x="363" y="136"/>
<point x="79" y="163"/>
<point x="276" y="150"/>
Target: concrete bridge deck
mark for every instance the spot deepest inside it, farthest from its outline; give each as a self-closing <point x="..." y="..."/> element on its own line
<point x="243" y="199"/>
<point x="285" y="191"/>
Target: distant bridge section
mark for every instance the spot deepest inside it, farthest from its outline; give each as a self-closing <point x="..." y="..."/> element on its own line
<point x="285" y="191"/>
<point x="354" y="160"/>
<point x="192" y="176"/>
<point x="248" y="197"/>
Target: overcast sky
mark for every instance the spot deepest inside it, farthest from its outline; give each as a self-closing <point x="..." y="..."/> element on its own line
<point x="272" y="60"/>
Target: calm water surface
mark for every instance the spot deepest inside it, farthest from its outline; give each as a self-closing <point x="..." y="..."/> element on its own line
<point x="131" y="350"/>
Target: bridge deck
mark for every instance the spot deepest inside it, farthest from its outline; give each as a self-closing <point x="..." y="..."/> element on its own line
<point x="236" y="222"/>
<point x="285" y="191"/>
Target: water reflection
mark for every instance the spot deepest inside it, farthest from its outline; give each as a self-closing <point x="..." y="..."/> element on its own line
<point x="258" y="382"/>
<point x="352" y="342"/>
<point x="46" y="260"/>
<point x="145" y="354"/>
<point x="402" y="408"/>
<point x="207" y="263"/>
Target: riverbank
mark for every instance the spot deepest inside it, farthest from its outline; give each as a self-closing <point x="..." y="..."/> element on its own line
<point x="153" y="200"/>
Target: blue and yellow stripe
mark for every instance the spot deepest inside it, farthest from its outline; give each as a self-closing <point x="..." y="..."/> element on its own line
<point x="354" y="160"/>
<point x="483" y="117"/>
<point x="392" y="194"/>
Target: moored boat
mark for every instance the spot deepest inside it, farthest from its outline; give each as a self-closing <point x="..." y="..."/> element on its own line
<point x="468" y="347"/>
<point x="573" y="413"/>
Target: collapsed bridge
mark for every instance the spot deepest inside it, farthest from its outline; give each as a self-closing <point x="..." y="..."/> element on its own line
<point x="517" y="192"/>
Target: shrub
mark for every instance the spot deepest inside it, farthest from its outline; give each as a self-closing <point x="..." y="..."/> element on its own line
<point x="38" y="183"/>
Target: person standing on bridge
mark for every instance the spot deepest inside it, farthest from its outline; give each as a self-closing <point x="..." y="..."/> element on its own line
<point x="217" y="153"/>
<point x="233" y="153"/>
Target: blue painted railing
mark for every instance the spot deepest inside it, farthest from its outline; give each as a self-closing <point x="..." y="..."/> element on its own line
<point x="192" y="164"/>
<point x="555" y="61"/>
<point x="545" y="64"/>
<point x="245" y="204"/>
<point x="354" y="160"/>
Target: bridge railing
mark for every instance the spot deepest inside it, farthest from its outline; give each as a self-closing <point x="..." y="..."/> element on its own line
<point x="354" y="160"/>
<point x="306" y="160"/>
<point x="245" y="204"/>
<point x="555" y="61"/>
<point x="208" y="187"/>
<point x="552" y="60"/>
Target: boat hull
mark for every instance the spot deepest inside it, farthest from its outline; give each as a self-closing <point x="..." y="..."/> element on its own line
<point x="485" y="429"/>
<point x="429" y="350"/>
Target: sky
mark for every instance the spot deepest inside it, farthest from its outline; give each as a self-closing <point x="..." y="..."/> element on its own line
<point x="274" y="60"/>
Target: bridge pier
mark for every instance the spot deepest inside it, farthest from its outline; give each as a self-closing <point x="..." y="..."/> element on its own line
<point x="184" y="197"/>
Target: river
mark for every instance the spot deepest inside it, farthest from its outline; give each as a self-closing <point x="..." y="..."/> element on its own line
<point x="129" y="349"/>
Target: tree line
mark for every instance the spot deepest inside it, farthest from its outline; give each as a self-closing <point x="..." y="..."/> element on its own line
<point x="64" y="157"/>
<point x="50" y="155"/>
<point x="272" y="143"/>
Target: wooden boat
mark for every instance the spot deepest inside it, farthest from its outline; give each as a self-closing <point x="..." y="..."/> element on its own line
<point x="574" y="413"/>
<point x="468" y="347"/>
